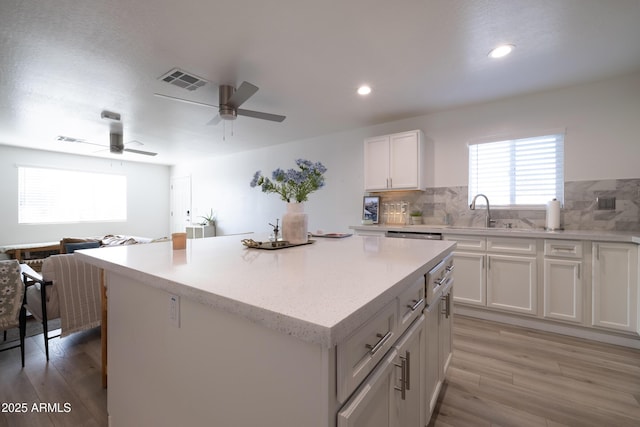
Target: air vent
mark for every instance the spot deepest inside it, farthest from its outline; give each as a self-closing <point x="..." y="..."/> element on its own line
<point x="181" y="78"/>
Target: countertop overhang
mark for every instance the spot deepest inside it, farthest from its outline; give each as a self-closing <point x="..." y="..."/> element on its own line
<point x="319" y="293"/>
<point x="593" y="235"/>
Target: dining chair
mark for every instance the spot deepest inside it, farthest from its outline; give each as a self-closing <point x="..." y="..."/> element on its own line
<point x="12" y="311"/>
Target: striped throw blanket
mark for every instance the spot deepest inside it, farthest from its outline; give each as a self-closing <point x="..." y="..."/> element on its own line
<point x="78" y="286"/>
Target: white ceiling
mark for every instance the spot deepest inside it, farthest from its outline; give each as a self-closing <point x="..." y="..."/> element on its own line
<point x="64" y="61"/>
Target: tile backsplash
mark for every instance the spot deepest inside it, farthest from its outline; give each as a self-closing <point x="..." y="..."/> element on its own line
<point x="449" y="205"/>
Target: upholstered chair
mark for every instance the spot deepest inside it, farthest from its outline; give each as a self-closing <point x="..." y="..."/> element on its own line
<point x="12" y="311"/>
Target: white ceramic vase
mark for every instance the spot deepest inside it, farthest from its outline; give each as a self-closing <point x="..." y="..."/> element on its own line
<point x="294" y="224"/>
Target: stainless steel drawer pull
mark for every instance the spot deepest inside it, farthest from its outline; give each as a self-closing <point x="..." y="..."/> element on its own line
<point x="450" y="268"/>
<point x="417" y="304"/>
<point x="383" y="339"/>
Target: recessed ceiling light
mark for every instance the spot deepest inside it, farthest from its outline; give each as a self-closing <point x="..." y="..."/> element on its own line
<point x="501" y="51"/>
<point x="364" y="90"/>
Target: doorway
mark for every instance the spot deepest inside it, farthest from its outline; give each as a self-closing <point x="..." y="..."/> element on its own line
<point x="180" y="200"/>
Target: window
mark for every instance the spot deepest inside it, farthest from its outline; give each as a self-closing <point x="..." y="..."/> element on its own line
<point x="64" y="196"/>
<point x="525" y="172"/>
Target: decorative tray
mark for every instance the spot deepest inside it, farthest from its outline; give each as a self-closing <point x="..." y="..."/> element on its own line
<point x="332" y="235"/>
<point x="250" y="243"/>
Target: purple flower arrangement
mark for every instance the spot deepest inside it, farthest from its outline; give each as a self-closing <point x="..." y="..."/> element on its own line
<point x="293" y="185"/>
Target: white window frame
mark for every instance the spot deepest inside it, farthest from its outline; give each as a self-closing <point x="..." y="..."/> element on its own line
<point x="61" y="196"/>
<point x="523" y="172"/>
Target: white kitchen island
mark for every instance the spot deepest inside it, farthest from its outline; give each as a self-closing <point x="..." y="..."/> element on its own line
<point x="254" y="338"/>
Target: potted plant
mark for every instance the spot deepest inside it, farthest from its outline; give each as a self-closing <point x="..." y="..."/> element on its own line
<point x="209" y="219"/>
<point x="294" y="187"/>
<point x="416" y="217"/>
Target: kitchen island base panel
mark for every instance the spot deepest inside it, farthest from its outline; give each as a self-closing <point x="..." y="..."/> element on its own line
<point x="215" y="369"/>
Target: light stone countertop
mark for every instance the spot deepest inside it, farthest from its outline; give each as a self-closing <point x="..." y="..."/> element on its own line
<point x="592" y="235"/>
<point x="319" y="292"/>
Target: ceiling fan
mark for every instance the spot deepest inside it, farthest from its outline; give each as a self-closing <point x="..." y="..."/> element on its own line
<point x="116" y="144"/>
<point x="229" y="101"/>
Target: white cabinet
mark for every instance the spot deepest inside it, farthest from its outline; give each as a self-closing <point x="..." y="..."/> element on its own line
<point x="471" y="282"/>
<point x="470" y="275"/>
<point x="563" y="282"/>
<point x="615" y="286"/>
<point x="432" y="354"/>
<point x="486" y="276"/>
<point x="386" y="372"/>
<point x="445" y="334"/>
<point x="201" y="231"/>
<point x="438" y="347"/>
<point x="393" y="395"/>
<point x="373" y="403"/>
<point x="512" y="283"/>
<point x="409" y="396"/>
<point x="364" y="348"/>
<point x="395" y="162"/>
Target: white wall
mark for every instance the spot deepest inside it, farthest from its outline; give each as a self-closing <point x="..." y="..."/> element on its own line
<point x="602" y="121"/>
<point x="147" y="202"/>
<point x="222" y="183"/>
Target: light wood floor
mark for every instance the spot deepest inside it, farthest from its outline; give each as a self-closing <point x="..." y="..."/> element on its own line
<point x="510" y="376"/>
<point x="500" y="376"/>
<point x="72" y="376"/>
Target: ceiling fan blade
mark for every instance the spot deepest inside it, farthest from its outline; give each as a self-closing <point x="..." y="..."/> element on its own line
<point x="71" y="140"/>
<point x="146" y="153"/>
<point x="244" y="92"/>
<point x="214" y="121"/>
<point x="260" y="115"/>
<point x="186" y="101"/>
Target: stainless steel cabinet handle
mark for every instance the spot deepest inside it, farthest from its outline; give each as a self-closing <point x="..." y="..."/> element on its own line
<point x="450" y="268"/>
<point x="563" y="248"/>
<point x="447" y="305"/>
<point x="407" y="379"/>
<point x="417" y="304"/>
<point x="403" y="379"/>
<point x="383" y="338"/>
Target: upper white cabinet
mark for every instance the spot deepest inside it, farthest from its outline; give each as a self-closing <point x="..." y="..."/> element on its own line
<point x="615" y="286"/>
<point x="395" y="162"/>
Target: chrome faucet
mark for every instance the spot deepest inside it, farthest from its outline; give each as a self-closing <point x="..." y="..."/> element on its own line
<point x="488" y="221"/>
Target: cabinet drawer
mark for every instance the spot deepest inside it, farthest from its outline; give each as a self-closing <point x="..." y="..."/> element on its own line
<point x="563" y="248"/>
<point x="364" y="348"/>
<point x="468" y="243"/>
<point x="511" y="246"/>
<point x="411" y="303"/>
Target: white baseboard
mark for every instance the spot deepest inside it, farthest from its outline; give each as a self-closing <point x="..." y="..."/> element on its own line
<point x="632" y="341"/>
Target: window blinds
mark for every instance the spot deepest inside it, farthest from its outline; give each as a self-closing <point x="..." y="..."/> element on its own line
<point x="64" y="196"/>
<point x="525" y="172"/>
